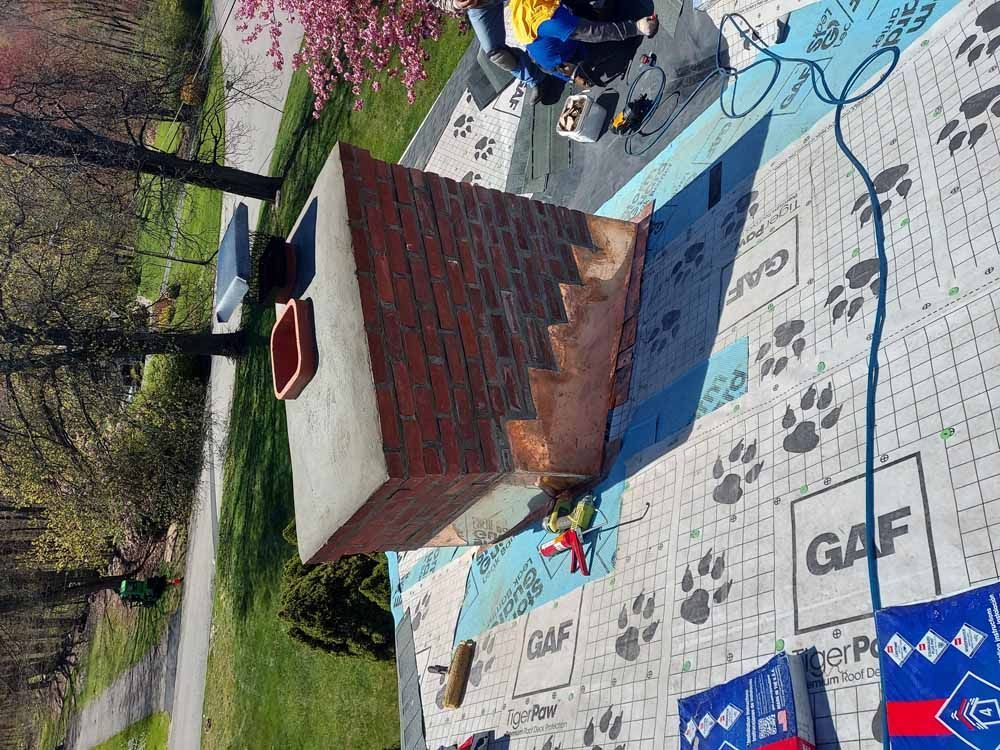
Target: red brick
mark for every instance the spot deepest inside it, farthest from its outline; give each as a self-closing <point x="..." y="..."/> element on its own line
<point x="435" y="262"/>
<point x="468" y="331"/>
<point x="439" y="382"/>
<point x="520" y="351"/>
<point x="402" y="181"/>
<point x="554" y="302"/>
<point x="499" y="204"/>
<point x="396" y="250"/>
<point x="421" y="281"/>
<point x="432" y="461"/>
<point x="489" y="359"/>
<point x="469" y="199"/>
<point x="416" y="178"/>
<point x="468" y="264"/>
<point x="415" y="358"/>
<point x="489" y="290"/>
<point x="499" y="268"/>
<point x="512" y="388"/>
<point x="491" y="458"/>
<point x="625" y="358"/>
<point x="496" y="401"/>
<point x="387" y="203"/>
<point x="425" y="413"/>
<point x="404" y="392"/>
<point x="628" y="332"/>
<point x="404" y="302"/>
<point x="479" y="244"/>
<point x="366" y="169"/>
<point x="449" y="445"/>
<point x="380" y="368"/>
<point x="473" y="461"/>
<point x="393" y="336"/>
<point x="428" y="324"/>
<point x="476" y="304"/>
<point x="395" y="465"/>
<point x="425" y="210"/>
<point x="500" y="336"/>
<point x="411" y="232"/>
<point x="456" y="281"/>
<point x="388" y="416"/>
<point x="414" y="449"/>
<point x="362" y="254"/>
<point x="438" y="193"/>
<point x="447" y="239"/>
<point x="445" y="314"/>
<point x="383" y="279"/>
<point x="352" y="192"/>
<point x="369" y="302"/>
<point x="456" y="360"/>
<point x="463" y="411"/>
<point x="480" y="396"/>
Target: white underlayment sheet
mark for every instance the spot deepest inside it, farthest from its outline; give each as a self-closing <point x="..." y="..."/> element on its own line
<point x="753" y="542"/>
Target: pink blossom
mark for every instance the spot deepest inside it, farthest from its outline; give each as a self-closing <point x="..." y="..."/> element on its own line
<point x="349" y="41"/>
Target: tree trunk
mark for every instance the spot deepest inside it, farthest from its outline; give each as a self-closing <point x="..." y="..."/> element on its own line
<point x="26" y="135"/>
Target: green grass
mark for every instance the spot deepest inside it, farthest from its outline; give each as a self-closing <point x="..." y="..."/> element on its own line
<point x="149" y="734"/>
<point x="264" y="690"/>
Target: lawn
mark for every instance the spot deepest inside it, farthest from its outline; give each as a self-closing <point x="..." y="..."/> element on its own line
<point x="264" y="690"/>
<point x="149" y="734"/>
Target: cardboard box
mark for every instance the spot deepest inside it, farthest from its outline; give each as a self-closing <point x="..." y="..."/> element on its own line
<point x="765" y="708"/>
<point x="941" y="671"/>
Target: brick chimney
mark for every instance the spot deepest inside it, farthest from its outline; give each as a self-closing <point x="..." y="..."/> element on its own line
<point x="470" y="346"/>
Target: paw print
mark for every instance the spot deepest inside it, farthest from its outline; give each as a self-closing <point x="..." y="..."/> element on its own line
<point x="669" y="323"/>
<point x="973" y="46"/>
<point x="419" y="611"/>
<point x="693" y="257"/>
<point x="784" y="335"/>
<point x="745" y="206"/>
<point x="973" y="107"/>
<point x="484" y="148"/>
<point x="463" y="126"/>
<point x="861" y="274"/>
<point x="549" y="744"/>
<point x="627" y="644"/>
<point x="471" y="176"/>
<point x="730" y="489"/>
<point x="804" y="437"/>
<point x="610" y="726"/>
<point x="697" y="606"/>
<point x="484" y="662"/>
<point x="886" y="180"/>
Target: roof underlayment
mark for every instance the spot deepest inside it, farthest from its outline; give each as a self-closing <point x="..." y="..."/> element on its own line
<point x="755" y="319"/>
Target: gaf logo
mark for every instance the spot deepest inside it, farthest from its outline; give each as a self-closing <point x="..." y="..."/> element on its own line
<point x="829" y="549"/>
<point x="550" y="641"/>
<point x="760" y="273"/>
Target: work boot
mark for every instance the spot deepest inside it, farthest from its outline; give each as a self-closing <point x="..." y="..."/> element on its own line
<point x="503" y="58"/>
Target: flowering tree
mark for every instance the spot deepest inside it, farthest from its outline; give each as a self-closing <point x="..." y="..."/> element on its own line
<point x="349" y="40"/>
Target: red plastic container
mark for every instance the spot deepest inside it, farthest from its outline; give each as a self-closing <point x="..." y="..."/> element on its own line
<point x="293" y="349"/>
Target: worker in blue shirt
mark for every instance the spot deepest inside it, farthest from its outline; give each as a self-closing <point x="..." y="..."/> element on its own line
<point x="555" y="36"/>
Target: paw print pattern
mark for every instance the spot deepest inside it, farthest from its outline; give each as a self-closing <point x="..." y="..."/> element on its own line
<point x="608" y="725"/>
<point x="471" y="176"/>
<point x="462" y="126"/>
<point x="974" y="45"/>
<point x="784" y="335"/>
<point x="745" y="206"/>
<point x="891" y="179"/>
<point x="862" y="274"/>
<point x="973" y="107"/>
<point x="627" y="644"/>
<point x="730" y="489"/>
<point x="697" y="606"/>
<point x="682" y="269"/>
<point x="484" y="662"/>
<point x="484" y="148"/>
<point x="669" y="323"/>
<point x="419" y="611"/>
<point x="549" y="744"/>
<point x="804" y="437"/>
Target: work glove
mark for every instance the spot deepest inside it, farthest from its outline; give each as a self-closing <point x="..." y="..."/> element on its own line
<point x="647" y="26"/>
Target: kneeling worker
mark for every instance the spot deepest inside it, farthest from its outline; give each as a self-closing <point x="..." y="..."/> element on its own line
<point x="554" y="35"/>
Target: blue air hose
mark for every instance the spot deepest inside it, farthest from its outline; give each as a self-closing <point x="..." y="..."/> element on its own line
<point x="823" y="91"/>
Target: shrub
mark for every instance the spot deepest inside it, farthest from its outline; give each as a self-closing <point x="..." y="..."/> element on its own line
<point x="341" y="607"/>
